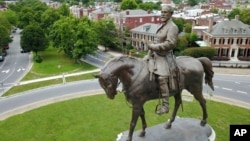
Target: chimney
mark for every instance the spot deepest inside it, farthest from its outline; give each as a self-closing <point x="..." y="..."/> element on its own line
<point x="127" y="12"/>
<point x="237" y="17"/>
<point x="210" y="24"/>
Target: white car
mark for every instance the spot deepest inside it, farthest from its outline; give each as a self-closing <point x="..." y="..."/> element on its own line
<point x="1" y="58"/>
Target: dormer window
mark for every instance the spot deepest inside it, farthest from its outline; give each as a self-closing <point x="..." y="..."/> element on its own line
<point x="226" y="31"/>
<point x="244" y="31"/>
<point x="146" y="28"/>
<point x="234" y="31"/>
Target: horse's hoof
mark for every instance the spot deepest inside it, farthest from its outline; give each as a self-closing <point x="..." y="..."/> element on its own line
<point x="168" y="126"/>
<point x="129" y="140"/>
<point x="203" y="122"/>
<point x="142" y="134"/>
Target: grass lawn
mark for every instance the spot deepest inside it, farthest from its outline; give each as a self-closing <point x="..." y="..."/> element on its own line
<point x="55" y="63"/>
<point x="96" y="118"/>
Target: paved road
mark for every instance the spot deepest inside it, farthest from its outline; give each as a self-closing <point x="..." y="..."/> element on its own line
<point x="31" y="99"/>
<point x="15" y="65"/>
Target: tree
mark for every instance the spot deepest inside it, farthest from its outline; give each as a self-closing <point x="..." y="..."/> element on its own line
<point x="4" y="37"/>
<point x="10" y="16"/>
<point x="62" y="34"/>
<point x="85" y="39"/>
<point x="128" y="4"/>
<point x="33" y="38"/>
<point x="191" y="37"/>
<point x="76" y="37"/>
<point x="106" y="33"/>
<point x="188" y="28"/>
<point x="180" y="23"/>
<point x="5" y="22"/>
<point x="245" y="16"/>
<point x="192" y="2"/>
<point x="149" y="6"/>
<point x="233" y="13"/>
<point x="48" y="18"/>
<point x="26" y="17"/>
<point x="182" y="44"/>
<point x="64" y="10"/>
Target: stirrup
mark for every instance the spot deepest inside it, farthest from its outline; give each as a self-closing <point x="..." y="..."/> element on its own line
<point x="161" y="110"/>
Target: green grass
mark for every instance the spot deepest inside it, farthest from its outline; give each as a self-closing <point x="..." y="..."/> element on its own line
<point x="55" y="63"/>
<point x="97" y="118"/>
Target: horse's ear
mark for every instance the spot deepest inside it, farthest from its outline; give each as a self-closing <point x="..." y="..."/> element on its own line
<point x="96" y="75"/>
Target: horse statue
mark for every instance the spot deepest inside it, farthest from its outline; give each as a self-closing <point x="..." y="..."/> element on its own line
<point x="134" y="75"/>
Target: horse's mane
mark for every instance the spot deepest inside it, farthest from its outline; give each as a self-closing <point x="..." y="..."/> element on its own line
<point x="118" y="62"/>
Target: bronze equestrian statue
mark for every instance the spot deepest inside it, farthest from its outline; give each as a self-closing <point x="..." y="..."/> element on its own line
<point x="140" y="86"/>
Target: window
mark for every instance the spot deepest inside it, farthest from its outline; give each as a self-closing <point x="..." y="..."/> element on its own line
<point x="244" y="31"/>
<point x="241" y="51"/>
<point x="224" y="52"/>
<point x="152" y="19"/>
<point x="234" y="31"/>
<point x="226" y="31"/>
<point x="248" y="53"/>
<point x="216" y="51"/>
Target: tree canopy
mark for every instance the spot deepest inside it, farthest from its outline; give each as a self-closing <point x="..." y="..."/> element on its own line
<point x="33" y="38"/>
<point x="106" y="33"/>
<point x="4" y="37"/>
<point x="76" y="37"/>
<point x="128" y="4"/>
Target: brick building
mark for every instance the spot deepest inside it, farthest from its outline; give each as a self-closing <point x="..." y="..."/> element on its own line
<point x="130" y="19"/>
<point x="230" y="38"/>
<point x="143" y="33"/>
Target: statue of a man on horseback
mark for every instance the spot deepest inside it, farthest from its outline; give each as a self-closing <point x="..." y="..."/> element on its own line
<point x="160" y="56"/>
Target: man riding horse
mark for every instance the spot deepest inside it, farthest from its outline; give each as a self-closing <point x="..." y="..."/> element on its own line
<point x="160" y="56"/>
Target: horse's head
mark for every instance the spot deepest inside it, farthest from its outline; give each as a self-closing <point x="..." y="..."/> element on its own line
<point x="108" y="82"/>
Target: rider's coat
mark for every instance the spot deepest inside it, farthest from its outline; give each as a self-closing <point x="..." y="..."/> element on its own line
<point x="162" y="56"/>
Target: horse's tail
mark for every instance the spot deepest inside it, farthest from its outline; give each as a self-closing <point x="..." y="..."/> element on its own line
<point x="208" y="69"/>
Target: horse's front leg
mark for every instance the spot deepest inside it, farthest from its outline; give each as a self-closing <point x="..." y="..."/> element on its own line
<point x="135" y="114"/>
<point x="144" y="123"/>
<point x="177" y="104"/>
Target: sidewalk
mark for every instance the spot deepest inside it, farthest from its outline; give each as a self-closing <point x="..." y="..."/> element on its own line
<point x="63" y="76"/>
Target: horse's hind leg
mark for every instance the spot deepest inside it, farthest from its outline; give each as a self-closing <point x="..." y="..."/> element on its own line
<point x="177" y="104"/>
<point x="144" y="123"/>
<point x="199" y="96"/>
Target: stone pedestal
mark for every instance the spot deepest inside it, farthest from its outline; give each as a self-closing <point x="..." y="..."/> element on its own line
<point x="183" y="129"/>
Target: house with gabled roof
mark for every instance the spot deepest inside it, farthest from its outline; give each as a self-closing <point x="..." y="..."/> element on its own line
<point x="231" y="39"/>
<point x="143" y="33"/>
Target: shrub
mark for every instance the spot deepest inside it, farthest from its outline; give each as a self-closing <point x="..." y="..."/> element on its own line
<point x="200" y="52"/>
<point x="38" y="59"/>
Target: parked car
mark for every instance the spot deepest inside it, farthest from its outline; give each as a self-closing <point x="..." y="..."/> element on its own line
<point x="4" y="52"/>
<point x="24" y="50"/>
<point x="6" y="47"/>
<point x="1" y="58"/>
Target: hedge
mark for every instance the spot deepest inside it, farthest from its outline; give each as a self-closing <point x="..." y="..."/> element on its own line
<point x="200" y="52"/>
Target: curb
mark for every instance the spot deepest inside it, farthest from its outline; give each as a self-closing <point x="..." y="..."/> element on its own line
<point x="41" y="103"/>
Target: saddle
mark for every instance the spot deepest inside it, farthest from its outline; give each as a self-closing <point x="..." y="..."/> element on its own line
<point x="174" y="72"/>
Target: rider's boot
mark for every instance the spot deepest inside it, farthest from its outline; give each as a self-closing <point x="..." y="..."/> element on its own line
<point x="163" y="81"/>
